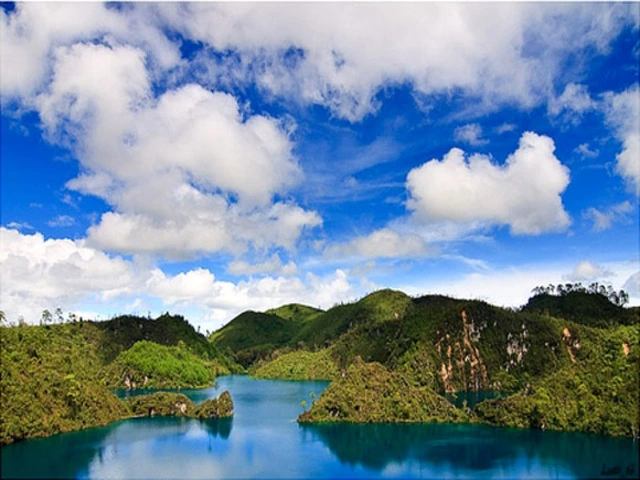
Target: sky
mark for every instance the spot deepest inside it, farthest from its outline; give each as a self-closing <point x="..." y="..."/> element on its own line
<point x="210" y="158"/>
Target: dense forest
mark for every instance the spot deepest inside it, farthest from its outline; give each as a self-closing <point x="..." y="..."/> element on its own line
<point x="58" y="376"/>
<point x="567" y="360"/>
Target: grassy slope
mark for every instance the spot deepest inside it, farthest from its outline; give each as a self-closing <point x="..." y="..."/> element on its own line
<point x="149" y="365"/>
<point x="252" y="335"/>
<point x="299" y="365"/>
<point x="296" y="312"/>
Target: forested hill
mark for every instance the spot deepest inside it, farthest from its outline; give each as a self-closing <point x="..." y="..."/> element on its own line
<point x="58" y="377"/>
<point x="550" y="349"/>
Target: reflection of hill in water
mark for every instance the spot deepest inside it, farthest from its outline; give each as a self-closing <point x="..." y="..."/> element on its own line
<point x="218" y="427"/>
<point x="464" y="449"/>
<point x="69" y="455"/>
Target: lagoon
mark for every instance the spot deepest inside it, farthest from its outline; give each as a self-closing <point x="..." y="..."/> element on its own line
<point x="263" y="440"/>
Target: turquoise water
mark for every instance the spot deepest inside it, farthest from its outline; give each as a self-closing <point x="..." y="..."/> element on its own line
<point x="263" y="440"/>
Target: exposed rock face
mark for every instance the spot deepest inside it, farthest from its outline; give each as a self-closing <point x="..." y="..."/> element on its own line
<point x="462" y="366"/>
<point x="570" y="343"/>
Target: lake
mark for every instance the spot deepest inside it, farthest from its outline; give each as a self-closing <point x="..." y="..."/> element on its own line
<point x="263" y="440"/>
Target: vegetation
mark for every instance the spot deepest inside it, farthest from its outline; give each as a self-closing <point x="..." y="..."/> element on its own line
<point x="298" y="365"/>
<point x="599" y="393"/>
<point x="221" y="407"/>
<point x="561" y="345"/>
<point x="55" y="377"/>
<point x="149" y="365"/>
<point x="251" y="336"/>
<point x="295" y="312"/>
<point x="161" y="404"/>
<point x="51" y="382"/>
<point x="370" y="393"/>
<point x="596" y="306"/>
<point x="179" y="405"/>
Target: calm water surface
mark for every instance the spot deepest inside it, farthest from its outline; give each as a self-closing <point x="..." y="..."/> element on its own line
<point x="263" y="440"/>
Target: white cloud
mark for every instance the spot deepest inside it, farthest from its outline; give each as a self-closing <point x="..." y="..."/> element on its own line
<point x="383" y="243"/>
<point x="272" y="266"/>
<point x="471" y="134"/>
<point x="29" y="35"/>
<point x="603" y="220"/>
<point x="524" y="193"/>
<point x="20" y="226"/>
<point x="573" y="103"/>
<point x="585" y="151"/>
<point x="632" y="285"/>
<point x="512" y="286"/>
<point x="61" y="221"/>
<point x="504" y="128"/>
<point x="187" y="173"/>
<point x="587" y="271"/>
<point x="341" y="55"/>
<point x="38" y="274"/>
<point x="622" y="113"/>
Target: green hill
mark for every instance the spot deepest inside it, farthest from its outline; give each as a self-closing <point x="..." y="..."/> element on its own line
<point x="368" y="392"/>
<point x="440" y="344"/>
<point x="51" y="382"/>
<point x="252" y="335"/>
<point x="55" y="378"/>
<point x="295" y="311"/>
<point x="587" y="308"/>
<point x="149" y="365"/>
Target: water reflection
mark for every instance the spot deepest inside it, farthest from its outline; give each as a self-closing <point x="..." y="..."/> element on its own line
<point x="263" y="440"/>
<point x="476" y="450"/>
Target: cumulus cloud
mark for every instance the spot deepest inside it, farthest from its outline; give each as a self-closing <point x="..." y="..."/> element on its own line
<point x="39" y="273"/>
<point x="622" y="113"/>
<point x="272" y="266"/>
<point x="383" y="243"/>
<point x="340" y="55"/>
<point x="30" y="34"/>
<point x="471" y="134"/>
<point x="573" y="103"/>
<point x="587" y="271"/>
<point x="604" y="219"/>
<point x="187" y="172"/>
<point x="524" y="193"/>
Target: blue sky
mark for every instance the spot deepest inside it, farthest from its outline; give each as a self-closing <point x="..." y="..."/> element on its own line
<point x="206" y="158"/>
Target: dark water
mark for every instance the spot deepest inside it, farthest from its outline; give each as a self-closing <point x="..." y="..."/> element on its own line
<point x="263" y="440"/>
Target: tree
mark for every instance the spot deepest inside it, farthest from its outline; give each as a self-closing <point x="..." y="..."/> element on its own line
<point x="47" y="318"/>
<point x="623" y="298"/>
<point x="59" y="316"/>
<point x="3" y="318"/>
